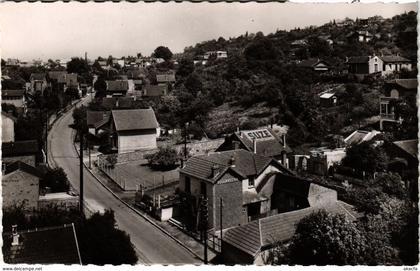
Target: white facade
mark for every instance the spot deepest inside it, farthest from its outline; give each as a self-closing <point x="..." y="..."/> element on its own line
<point x="131" y="142"/>
<point x="7" y="129"/>
<point x="389" y="68"/>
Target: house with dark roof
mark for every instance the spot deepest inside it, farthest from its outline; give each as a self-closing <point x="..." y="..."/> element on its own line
<point x="315" y="64"/>
<point x="133" y="129"/>
<point x="38" y="83"/>
<point x="49" y="245"/>
<point x="111" y="103"/>
<point x="116" y="88"/>
<point x="165" y="77"/>
<point x="252" y="242"/>
<point x="395" y="90"/>
<point x="243" y="179"/>
<point x="26" y="151"/>
<point x="362" y="36"/>
<point x="155" y="91"/>
<point x="20" y="186"/>
<point x="404" y="160"/>
<point x="15" y="97"/>
<point x="7" y="127"/>
<point x="395" y="63"/>
<point x="97" y="120"/>
<point x="264" y="142"/>
<point x="364" y="65"/>
<point x="360" y="136"/>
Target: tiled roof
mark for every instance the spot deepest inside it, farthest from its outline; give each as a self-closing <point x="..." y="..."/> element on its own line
<point x="43" y="246"/>
<point x="409" y="146"/>
<point x="359" y="136"/>
<point x="12" y="92"/>
<point x="59" y="76"/>
<point x="155" y="90"/>
<point x="165" y="77"/>
<point x="134" y="119"/>
<point x="254" y="236"/>
<point x="311" y="62"/>
<point x="10" y="149"/>
<point x="272" y="146"/>
<point x="358" y="59"/>
<point x="394" y="58"/>
<point x="405" y="83"/>
<point x="245" y="164"/>
<point x="117" y="85"/>
<point x="19" y="165"/>
<point x="94" y="118"/>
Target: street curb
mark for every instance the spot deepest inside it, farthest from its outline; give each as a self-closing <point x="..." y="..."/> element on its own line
<point x="138" y="212"/>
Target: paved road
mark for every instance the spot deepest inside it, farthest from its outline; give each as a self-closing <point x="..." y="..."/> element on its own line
<point x="152" y="246"/>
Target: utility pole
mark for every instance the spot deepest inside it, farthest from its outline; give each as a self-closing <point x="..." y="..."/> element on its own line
<point x="204" y="224"/>
<point x="46" y="137"/>
<point x="81" y="173"/>
<point x="221" y="224"/>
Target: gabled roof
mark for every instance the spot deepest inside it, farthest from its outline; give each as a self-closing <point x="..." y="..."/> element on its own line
<point x="245" y="164"/>
<point x="393" y="59"/>
<point x="409" y="146"/>
<point x="257" y="235"/>
<point x="10" y="116"/>
<point x="12" y="92"/>
<point x="165" y="77"/>
<point x="360" y="136"/>
<point x="405" y="83"/>
<point x="96" y="118"/>
<point x="38" y="76"/>
<point x="17" y="148"/>
<point x="327" y="95"/>
<point x="43" y="246"/>
<point x="117" y="85"/>
<point x="19" y="165"/>
<point x="312" y="62"/>
<point x="134" y="119"/>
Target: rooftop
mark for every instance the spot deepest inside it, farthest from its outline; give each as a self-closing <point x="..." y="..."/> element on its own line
<point x="394" y="58"/>
<point x="10" y="149"/>
<point x="405" y="83"/>
<point x="12" y="92"/>
<point x="409" y="146"/>
<point x="18" y="165"/>
<point x="117" y="85"/>
<point x="134" y="119"/>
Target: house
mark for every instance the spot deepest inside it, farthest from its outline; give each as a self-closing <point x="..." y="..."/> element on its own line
<point x="116" y="88"/>
<point x="315" y="64"/>
<point x="96" y="120"/>
<point x="395" y="63"/>
<point x="20" y="186"/>
<point x="151" y="91"/>
<point x="322" y="158"/>
<point x="165" y="77"/>
<point x="263" y="142"/>
<point x="404" y="160"/>
<point x="360" y="136"/>
<point x="364" y="65"/>
<point x="215" y="54"/>
<point x="134" y="129"/>
<point x="58" y="76"/>
<point x="243" y="179"/>
<point x="299" y="43"/>
<point x="395" y="90"/>
<point x="25" y="151"/>
<point x="111" y="103"/>
<point x="251" y="243"/>
<point x="15" y="97"/>
<point x="50" y="245"/>
<point x="38" y="83"/>
<point x="360" y="36"/>
<point x="7" y="127"/>
<point x="328" y="99"/>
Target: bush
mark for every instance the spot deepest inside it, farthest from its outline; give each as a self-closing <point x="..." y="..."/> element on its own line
<point x="166" y="158"/>
<point x="56" y="179"/>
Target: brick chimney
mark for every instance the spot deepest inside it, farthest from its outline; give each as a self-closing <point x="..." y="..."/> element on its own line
<point x="15" y="235"/>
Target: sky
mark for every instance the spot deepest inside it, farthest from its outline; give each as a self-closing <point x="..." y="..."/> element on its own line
<point x="63" y="30"/>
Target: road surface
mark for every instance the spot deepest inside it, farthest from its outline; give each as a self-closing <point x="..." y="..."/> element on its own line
<point x="152" y="245"/>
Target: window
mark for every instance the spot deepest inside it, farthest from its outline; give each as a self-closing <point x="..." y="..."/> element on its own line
<point x="383" y="109"/>
<point x="187" y="184"/>
<point x="376" y="67"/>
<point x="251" y="181"/>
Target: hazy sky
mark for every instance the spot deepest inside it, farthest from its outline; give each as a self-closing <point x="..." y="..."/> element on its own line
<point x="62" y="30"/>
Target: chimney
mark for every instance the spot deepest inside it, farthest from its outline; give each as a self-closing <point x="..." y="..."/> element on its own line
<point x="254" y="141"/>
<point x="232" y="161"/>
<point x="284" y="140"/>
<point x="15" y="235"/>
<point x="214" y="170"/>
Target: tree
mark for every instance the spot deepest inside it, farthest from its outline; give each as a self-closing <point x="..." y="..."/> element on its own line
<point x="80" y="119"/>
<point x="185" y="68"/>
<point x="322" y="238"/>
<point x="365" y="157"/>
<point x="78" y="65"/>
<point x="163" y="52"/>
<point x="165" y="158"/>
<point x="56" y="180"/>
<point x="100" y="87"/>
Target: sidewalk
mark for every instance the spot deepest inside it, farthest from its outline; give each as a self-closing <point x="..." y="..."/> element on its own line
<point x="194" y="246"/>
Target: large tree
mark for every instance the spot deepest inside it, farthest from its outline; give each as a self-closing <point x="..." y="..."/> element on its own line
<point x="366" y="157"/>
<point x="163" y="52"/>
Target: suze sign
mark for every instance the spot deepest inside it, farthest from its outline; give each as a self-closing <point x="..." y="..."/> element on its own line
<point x="258" y="134"/>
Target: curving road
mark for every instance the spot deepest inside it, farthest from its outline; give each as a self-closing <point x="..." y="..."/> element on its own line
<point x="152" y="246"/>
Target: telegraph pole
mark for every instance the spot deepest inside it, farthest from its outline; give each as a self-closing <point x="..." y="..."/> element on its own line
<point x="81" y="172"/>
<point x="46" y="137"/>
<point x="204" y="224"/>
<point x="221" y="223"/>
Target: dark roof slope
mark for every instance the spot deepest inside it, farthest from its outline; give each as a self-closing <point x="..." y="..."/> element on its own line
<point x="117" y="85"/>
<point x="134" y="119"/>
<point x="358" y="59"/>
<point x="96" y="118"/>
<point x="38" y="76"/>
<point x="394" y="58"/>
<point x="312" y="62"/>
<point x="405" y="83"/>
<point x="155" y="90"/>
<point x="245" y="164"/>
<point x="12" y="92"/>
<point x="409" y="146"/>
<point x="19" y="165"/>
<point x="10" y="149"/>
<point x="43" y="246"/>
